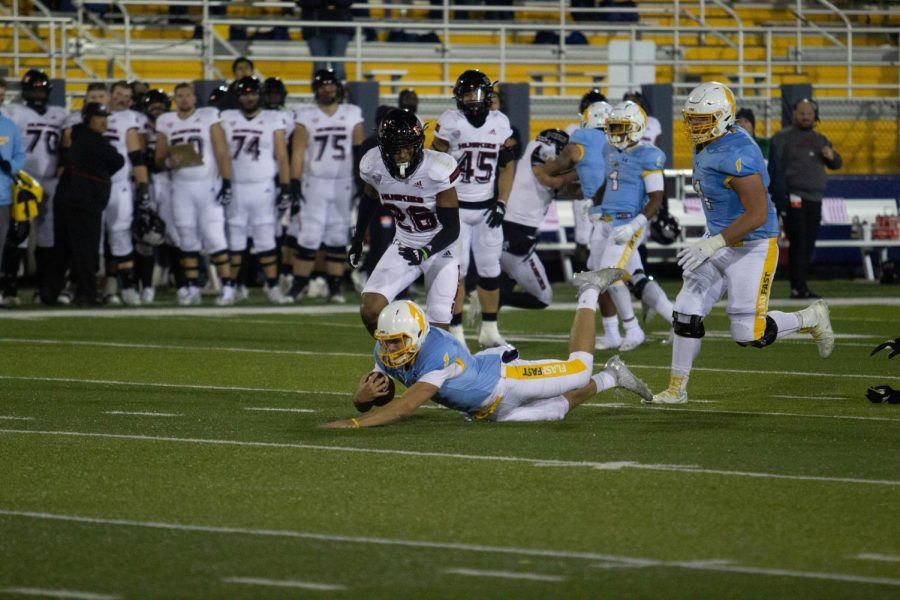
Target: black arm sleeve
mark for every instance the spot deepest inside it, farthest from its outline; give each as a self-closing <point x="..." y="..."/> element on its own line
<point x="449" y="218"/>
<point x="367" y="208"/>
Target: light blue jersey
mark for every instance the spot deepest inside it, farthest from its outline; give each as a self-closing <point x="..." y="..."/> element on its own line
<point x="468" y="390"/>
<point x="626" y="194"/>
<point x="735" y="154"/>
<point x="590" y="167"/>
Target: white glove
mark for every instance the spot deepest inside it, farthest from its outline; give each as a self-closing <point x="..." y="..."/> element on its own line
<point x="696" y="254"/>
<point x="623" y="233"/>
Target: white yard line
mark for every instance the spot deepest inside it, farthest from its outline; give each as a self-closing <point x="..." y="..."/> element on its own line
<point x="140" y="414"/>
<point x="285" y="583"/>
<point x="699" y="565"/>
<point x="753" y="413"/>
<point x="11" y="418"/>
<point x="47" y="593"/>
<point x="878" y="557"/>
<point x="829" y="375"/>
<point x="295" y="410"/>
<point x="505" y="575"/>
<point x="811" y="397"/>
<point x="542" y="462"/>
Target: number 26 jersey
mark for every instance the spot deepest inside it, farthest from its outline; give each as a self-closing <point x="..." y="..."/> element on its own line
<point x="411" y="201"/>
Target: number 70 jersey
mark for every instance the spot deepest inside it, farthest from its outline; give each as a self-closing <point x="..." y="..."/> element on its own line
<point x="329" y="142"/>
<point x="411" y="201"/>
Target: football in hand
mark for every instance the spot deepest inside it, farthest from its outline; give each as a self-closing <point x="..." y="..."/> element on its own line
<point x="389" y="394"/>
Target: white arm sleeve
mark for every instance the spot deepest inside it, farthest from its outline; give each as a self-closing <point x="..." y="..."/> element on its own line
<point x="653" y="181"/>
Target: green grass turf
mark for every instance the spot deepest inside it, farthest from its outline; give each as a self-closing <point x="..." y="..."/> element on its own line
<point x="617" y="500"/>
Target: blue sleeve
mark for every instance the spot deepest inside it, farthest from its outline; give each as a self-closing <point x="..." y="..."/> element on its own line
<point x="654" y="160"/>
<point x="17" y="161"/>
<point x="744" y="158"/>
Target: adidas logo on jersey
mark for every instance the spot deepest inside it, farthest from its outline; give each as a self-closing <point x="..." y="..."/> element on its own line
<point x="419" y="185"/>
<point x="376" y="178"/>
<point x="492" y="132"/>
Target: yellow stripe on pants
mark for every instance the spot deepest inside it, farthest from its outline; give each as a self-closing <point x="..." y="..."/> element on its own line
<point x="630" y="246"/>
<point x="556" y="368"/>
<point x="765" y="288"/>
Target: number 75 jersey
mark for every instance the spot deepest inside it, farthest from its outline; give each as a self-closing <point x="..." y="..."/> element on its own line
<point x="329" y="145"/>
<point x="251" y="142"/>
<point x="411" y="201"/>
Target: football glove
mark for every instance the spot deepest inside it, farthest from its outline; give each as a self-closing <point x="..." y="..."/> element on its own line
<point x="495" y="214"/>
<point x="623" y="233"/>
<point x="696" y="254"/>
<point x="894" y="345"/>
<point x="283" y="202"/>
<point x="414" y="256"/>
<point x="142" y="196"/>
<point x="354" y="254"/>
<point x="224" y="196"/>
<point x="297" y="198"/>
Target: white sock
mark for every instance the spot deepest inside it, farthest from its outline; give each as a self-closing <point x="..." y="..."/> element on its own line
<point x="611" y="327"/>
<point x="788" y="323"/>
<point x="622" y="299"/>
<point x="684" y="351"/>
<point x="603" y="381"/>
<point x="656" y="297"/>
<point x="588" y="298"/>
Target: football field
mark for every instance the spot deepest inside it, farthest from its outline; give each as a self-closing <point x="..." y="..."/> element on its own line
<point x="174" y="453"/>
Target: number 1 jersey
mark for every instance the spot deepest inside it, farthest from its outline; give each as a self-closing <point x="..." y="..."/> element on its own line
<point x="329" y="145"/>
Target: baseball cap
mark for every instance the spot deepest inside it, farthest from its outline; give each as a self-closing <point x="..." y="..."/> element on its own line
<point x="94" y="109"/>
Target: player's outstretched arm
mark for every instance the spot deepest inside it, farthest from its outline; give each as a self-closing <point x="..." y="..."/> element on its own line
<point x="395" y="410"/>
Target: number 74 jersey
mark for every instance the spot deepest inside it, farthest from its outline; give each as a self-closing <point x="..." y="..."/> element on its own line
<point x="411" y="201"/>
<point x="251" y="142"/>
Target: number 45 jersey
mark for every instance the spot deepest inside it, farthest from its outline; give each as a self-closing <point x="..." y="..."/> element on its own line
<point x="194" y="130"/>
<point x="476" y="149"/>
<point x="329" y="142"/>
<point x="411" y="201"/>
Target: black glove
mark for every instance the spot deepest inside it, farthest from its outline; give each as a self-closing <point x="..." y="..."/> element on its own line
<point x="495" y="214"/>
<point x="224" y="195"/>
<point x="283" y="202"/>
<point x="5" y="166"/>
<point x="894" y="345"/>
<point x="414" y="256"/>
<point x="354" y="254"/>
<point x="142" y="196"/>
<point x="296" y="196"/>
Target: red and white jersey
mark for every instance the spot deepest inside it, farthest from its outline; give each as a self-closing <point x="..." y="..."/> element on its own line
<point x="118" y="124"/>
<point x="412" y="201"/>
<point x="476" y="150"/>
<point x="41" y="134"/>
<point x="252" y="144"/>
<point x="194" y="130"/>
<point x="529" y="200"/>
<point x="329" y="147"/>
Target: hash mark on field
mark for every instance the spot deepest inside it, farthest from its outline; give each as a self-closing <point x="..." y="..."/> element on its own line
<point x="286" y="583"/>
<point x="879" y="557"/>
<point x="27" y="591"/>
<point x="810" y="397"/>
<point x="505" y="575"/>
<point x="298" y="410"/>
<point x="470" y="457"/>
<point x="11" y="418"/>
<point x="140" y="414"/>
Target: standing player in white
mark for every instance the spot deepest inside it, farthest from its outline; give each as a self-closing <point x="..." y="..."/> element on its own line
<point x="475" y="136"/>
<point x="417" y="187"/>
<point x="631" y="195"/>
<point x="123" y="132"/>
<point x="326" y="146"/>
<point x="199" y="192"/>
<point x="41" y="128"/>
<point x="533" y="191"/>
<point x="258" y="149"/>
<point x="739" y="253"/>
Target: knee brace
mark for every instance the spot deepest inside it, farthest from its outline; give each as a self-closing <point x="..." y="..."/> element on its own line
<point x="768" y="336"/>
<point x="335" y="253"/>
<point x="489" y="284"/>
<point x="304" y="253"/>
<point x="689" y="326"/>
<point x="219" y="258"/>
<point x="637" y="282"/>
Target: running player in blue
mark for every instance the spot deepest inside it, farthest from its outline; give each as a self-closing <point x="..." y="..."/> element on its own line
<point x="630" y="197"/>
<point x="493" y="385"/>
<point x="739" y="252"/>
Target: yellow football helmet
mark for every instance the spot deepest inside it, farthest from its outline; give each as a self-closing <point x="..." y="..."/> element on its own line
<point x="625" y="124"/>
<point x="708" y="112"/>
<point x="27" y="197"/>
<point x="402" y="328"/>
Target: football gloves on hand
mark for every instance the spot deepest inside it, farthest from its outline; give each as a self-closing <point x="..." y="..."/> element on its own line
<point x="696" y="254"/>
<point x="224" y="196"/>
<point x="297" y="198"/>
<point x="495" y="214"/>
<point x="623" y="233"/>
<point x="414" y="256"/>
<point x="354" y="254"/>
<point x="283" y="202"/>
<point x="894" y="345"/>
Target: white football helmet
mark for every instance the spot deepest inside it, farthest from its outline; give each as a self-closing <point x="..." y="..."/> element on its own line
<point x="625" y="124"/>
<point x="595" y="115"/>
<point x="708" y="112"/>
<point x="402" y="328"/>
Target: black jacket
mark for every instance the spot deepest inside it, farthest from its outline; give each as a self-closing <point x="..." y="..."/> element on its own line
<point x="91" y="161"/>
<point x="328" y="10"/>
